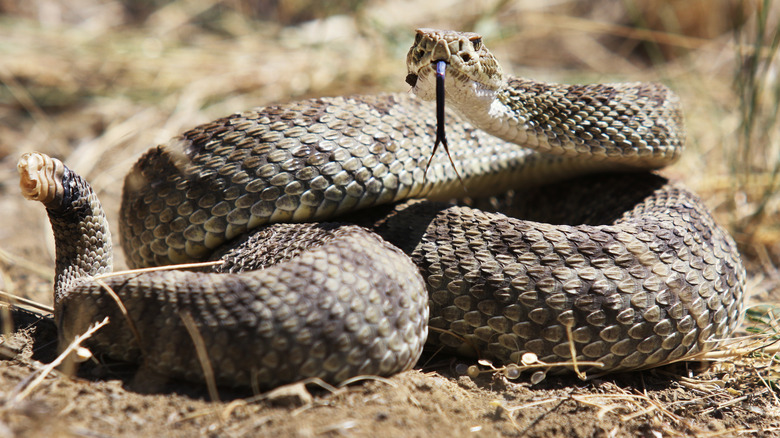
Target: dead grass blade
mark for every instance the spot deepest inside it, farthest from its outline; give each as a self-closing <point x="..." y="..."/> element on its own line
<point x="203" y="355"/>
<point x="14" y="299"/>
<point x="123" y="310"/>
<point x="159" y="268"/>
<point x="573" y="352"/>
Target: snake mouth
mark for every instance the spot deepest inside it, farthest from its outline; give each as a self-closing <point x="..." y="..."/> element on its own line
<point x="412" y="78"/>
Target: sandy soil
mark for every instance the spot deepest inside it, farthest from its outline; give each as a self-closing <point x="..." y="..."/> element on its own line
<point x="97" y="82"/>
<point x="433" y="399"/>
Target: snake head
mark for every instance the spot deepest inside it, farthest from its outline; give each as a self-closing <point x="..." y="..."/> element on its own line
<point x="470" y="64"/>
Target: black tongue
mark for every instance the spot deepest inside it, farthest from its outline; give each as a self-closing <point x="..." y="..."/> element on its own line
<point x="441" y="134"/>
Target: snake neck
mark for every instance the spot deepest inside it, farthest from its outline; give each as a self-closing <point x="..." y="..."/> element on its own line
<point x="82" y="239"/>
<point x="612" y="123"/>
<point x="519" y="111"/>
<point x="500" y="111"/>
<point x="489" y="110"/>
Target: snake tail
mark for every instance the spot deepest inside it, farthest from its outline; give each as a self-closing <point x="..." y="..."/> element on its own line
<point x="76" y="215"/>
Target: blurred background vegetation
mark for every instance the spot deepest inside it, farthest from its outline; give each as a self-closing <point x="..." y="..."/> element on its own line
<point x="96" y="82"/>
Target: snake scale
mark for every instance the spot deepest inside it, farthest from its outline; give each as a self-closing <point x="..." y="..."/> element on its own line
<point x="590" y="253"/>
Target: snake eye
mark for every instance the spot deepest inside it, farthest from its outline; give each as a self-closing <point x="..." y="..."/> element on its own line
<point x="476" y="42"/>
<point x="411" y="79"/>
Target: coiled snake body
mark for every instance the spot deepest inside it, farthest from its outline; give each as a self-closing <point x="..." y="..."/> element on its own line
<point x="622" y="268"/>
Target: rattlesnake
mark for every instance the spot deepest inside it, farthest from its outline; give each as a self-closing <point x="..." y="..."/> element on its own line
<point x="621" y="267"/>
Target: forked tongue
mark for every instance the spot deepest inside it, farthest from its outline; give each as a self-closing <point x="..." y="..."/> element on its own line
<point x="441" y="134"/>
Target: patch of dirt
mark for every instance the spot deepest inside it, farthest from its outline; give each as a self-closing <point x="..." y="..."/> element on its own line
<point x="430" y="400"/>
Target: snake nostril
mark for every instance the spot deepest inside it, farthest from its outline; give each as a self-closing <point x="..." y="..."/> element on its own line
<point x="411" y="79"/>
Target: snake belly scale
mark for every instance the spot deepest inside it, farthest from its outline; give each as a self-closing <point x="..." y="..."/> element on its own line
<point x="594" y="256"/>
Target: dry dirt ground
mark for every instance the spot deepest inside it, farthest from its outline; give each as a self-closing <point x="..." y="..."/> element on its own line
<point x="96" y="82"/>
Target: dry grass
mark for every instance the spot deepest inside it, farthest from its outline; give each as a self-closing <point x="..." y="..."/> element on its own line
<point x="22" y="391"/>
<point x="756" y="155"/>
<point x="97" y="82"/>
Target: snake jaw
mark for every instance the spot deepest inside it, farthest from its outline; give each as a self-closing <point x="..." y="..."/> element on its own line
<point x="39" y="177"/>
